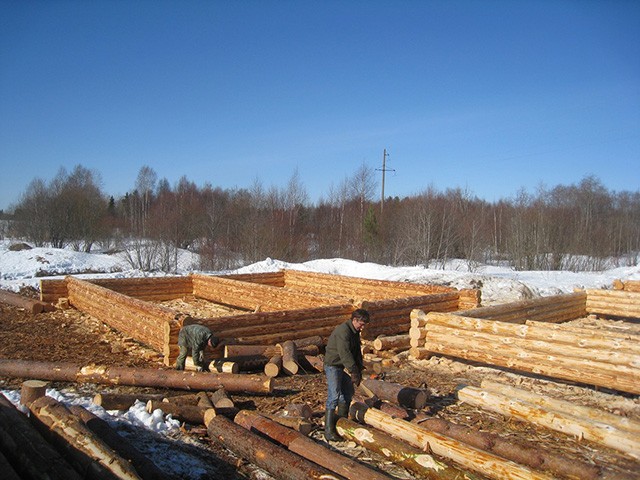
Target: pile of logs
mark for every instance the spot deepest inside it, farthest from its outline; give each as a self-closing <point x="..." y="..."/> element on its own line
<point x="285" y="358"/>
<point x="627" y="285"/>
<point x="602" y="358"/>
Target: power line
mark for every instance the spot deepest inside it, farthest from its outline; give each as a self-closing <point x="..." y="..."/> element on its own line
<point x="384" y="169"/>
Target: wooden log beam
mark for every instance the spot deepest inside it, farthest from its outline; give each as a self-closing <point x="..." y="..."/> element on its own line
<point x="485" y="463"/>
<point x="279" y="462"/>
<point x="91" y="454"/>
<point x="523" y="453"/>
<point x="392" y="342"/>
<point x="147" y="377"/>
<point x="402" y="395"/>
<point x="122" y="401"/>
<point x="627" y="285"/>
<point x="407" y="456"/>
<point x="289" y="353"/>
<point x="518" y="312"/>
<point x="31" y="305"/>
<point x="27" y="450"/>
<point x="123" y="447"/>
<point x="192" y="414"/>
<point x="32" y="390"/>
<point x="307" y="448"/>
<point x="603" y="434"/>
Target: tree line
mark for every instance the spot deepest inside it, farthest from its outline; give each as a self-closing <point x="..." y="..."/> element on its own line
<point x="568" y="227"/>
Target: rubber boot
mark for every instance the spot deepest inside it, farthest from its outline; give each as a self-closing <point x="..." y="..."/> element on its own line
<point x="343" y="410"/>
<point x="330" y="420"/>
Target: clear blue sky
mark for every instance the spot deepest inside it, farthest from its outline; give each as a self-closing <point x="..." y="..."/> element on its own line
<point x="492" y="96"/>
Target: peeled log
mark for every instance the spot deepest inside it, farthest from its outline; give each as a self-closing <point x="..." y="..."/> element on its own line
<point x="408" y="397"/>
<point x="143" y="465"/>
<point x="307" y="448"/>
<point x="407" y="456"/>
<point x="467" y="456"/>
<point x="29" y="453"/>
<point x="92" y="455"/>
<point x="273" y="366"/>
<point x="146" y="377"/>
<point x="280" y="463"/>
<point x="603" y="434"/>
<point x="392" y="342"/>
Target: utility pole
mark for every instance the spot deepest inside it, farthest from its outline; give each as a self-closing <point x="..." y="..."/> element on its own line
<point x="384" y="169"/>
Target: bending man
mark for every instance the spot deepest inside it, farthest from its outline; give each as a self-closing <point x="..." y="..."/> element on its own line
<point x="343" y="352"/>
<point x="193" y="339"/>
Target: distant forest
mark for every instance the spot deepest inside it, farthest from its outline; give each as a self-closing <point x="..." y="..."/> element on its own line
<point x="567" y="227"/>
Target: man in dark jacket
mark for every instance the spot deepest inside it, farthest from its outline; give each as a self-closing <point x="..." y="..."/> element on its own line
<point x="193" y="339"/>
<point x="343" y="368"/>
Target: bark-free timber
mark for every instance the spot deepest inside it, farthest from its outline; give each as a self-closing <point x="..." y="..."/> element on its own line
<point x="407" y="456"/>
<point x="540" y="309"/>
<point x="142" y="464"/>
<point x="604" y="434"/>
<point x="29" y="304"/>
<point x="27" y="450"/>
<point x="627" y="285"/>
<point x="279" y="462"/>
<point x="469" y="457"/>
<point x="307" y="448"/>
<point x="144" y="377"/>
<point x="401" y="342"/>
<point x="408" y="397"/>
<point x="289" y="353"/>
<point x="88" y="452"/>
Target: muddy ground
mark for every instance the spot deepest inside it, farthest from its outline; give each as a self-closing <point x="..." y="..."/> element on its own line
<point x="71" y="336"/>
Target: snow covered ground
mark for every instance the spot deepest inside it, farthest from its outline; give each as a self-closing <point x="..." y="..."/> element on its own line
<point x="499" y="285"/>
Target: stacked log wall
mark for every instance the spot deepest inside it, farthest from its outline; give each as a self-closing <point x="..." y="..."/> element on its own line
<point x="627" y="285"/>
<point x="618" y="303"/>
<point x="526" y="348"/>
<point x="275" y="279"/>
<point x="554" y="309"/>
<point x="252" y="296"/>
<point x="143" y="321"/>
<point x="143" y="288"/>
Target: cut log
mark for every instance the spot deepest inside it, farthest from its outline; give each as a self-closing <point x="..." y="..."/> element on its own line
<point x="273" y="366"/>
<point x="603" y="434"/>
<point x="471" y="458"/>
<point x="297" y="410"/>
<point x="29" y="304"/>
<point x="408" y="397"/>
<point x="299" y="424"/>
<point x="89" y="453"/>
<point x="279" y="462"/>
<point x="563" y="406"/>
<point x="307" y="448"/>
<point x="288" y="352"/>
<point x="142" y="464"/>
<point x="220" y="399"/>
<point x="122" y="401"/>
<point x="407" y="456"/>
<point x="395" y="342"/>
<point x="32" y="390"/>
<point x="27" y="450"/>
<point x="315" y="361"/>
<point x="523" y="453"/>
<point x="304" y="346"/>
<point x="187" y="399"/>
<point x="185" y="413"/>
<point x="204" y="400"/>
<point x="69" y="372"/>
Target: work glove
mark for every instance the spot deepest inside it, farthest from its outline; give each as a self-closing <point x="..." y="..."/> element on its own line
<point x="356" y="377"/>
